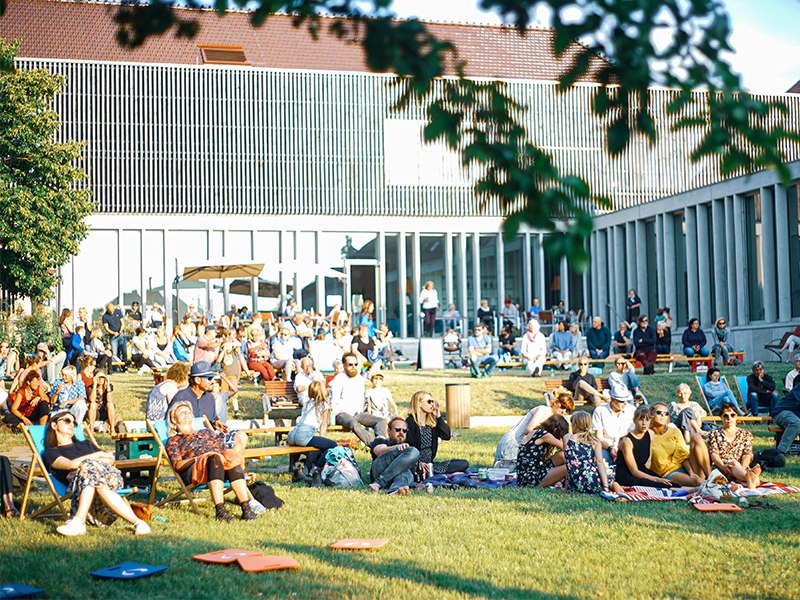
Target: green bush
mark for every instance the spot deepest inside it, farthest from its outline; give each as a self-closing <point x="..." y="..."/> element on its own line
<point x="28" y="330"/>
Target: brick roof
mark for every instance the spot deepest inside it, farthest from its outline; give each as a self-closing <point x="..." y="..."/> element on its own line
<point x="86" y="31"/>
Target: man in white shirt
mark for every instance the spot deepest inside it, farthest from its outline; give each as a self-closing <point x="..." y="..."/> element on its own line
<point x="612" y="421"/>
<point x="304" y="377"/>
<point x="283" y="353"/>
<point x="347" y="393"/>
<point x="791" y="375"/>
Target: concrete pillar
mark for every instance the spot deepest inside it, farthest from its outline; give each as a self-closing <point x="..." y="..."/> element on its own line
<point x="448" y="270"/>
<point x="401" y="277"/>
<point x="254" y="280"/>
<point x="593" y="276"/>
<point x="602" y="277"/>
<point x="121" y="261"/>
<point x="617" y="263"/>
<point x="500" y="271"/>
<point x="142" y="278"/>
<point x="563" y="271"/>
<point x="730" y="263"/>
<point x="476" y="271"/>
<point x="767" y="195"/>
<point x="782" y="254"/>
<point x="741" y="261"/>
<point x="693" y="301"/>
<point x="719" y="257"/>
<point x="630" y="251"/>
<point x="660" y="260"/>
<point x="704" y="288"/>
<point x="381" y="283"/>
<point x="540" y="270"/>
<point x="461" y="305"/>
<point x="527" y="279"/>
<point x="670" y="276"/>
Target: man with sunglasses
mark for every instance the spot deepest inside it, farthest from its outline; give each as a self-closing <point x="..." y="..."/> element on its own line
<point x="199" y="395"/>
<point x="347" y="395"/>
<point x="583" y="385"/>
<point x="393" y="460"/>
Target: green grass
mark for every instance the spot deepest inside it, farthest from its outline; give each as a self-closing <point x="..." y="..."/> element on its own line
<point x="504" y="543"/>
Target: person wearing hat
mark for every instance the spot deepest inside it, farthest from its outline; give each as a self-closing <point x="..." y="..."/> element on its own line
<point x="207" y="345"/>
<point x="199" y="395"/>
<point x="379" y="399"/>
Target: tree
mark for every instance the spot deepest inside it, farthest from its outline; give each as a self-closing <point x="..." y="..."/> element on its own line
<point x="41" y="210"/>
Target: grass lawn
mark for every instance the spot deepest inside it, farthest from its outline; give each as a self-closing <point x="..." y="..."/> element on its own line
<point x="505" y="543"/>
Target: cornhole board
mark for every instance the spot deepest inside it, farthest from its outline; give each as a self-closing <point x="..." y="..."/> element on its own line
<point x="353" y="544"/>
<point x="260" y="562"/>
<point x="224" y="557"/>
<point x="128" y="570"/>
<point x="18" y="590"/>
<point x="718" y="507"/>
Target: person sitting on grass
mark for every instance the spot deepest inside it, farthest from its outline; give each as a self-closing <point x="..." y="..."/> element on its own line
<point x="717" y="392"/>
<point x="393" y="460"/>
<point x="731" y="450"/>
<point x="670" y="453"/>
<point x="90" y="476"/>
<point x="583" y="456"/>
<point x="479" y="347"/>
<point x="310" y="431"/>
<point x="611" y="422"/>
<point x="624" y="376"/>
<point x="102" y="406"/>
<point x="10" y="511"/>
<point x="9" y="360"/>
<point x="29" y="405"/>
<point x="426" y="426"/>
<point x="200" y="457"/>
<point x="177" y="378"/>
<point x="584" y="386"/>
<point x="537" y="466"/>
<point x="508" y="448"/>
<point x="686" y="414"/>
<point x="634" y="456"/>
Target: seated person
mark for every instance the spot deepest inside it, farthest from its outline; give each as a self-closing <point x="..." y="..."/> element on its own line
<point x="347" y="395"/>
<point x="176" y="378"/>
<point x="663" y="339"/>
<point x="717" y="392"/>
<point x="686" y="414"/>
<point x="485" y="315"/>
<point x="510" y="314"/>
<point x="90" y="476"/>
<point x="304" y="377"/>
<point x="625" y="375"/>
<point x="426" y="426"/>
<point x="583" y="385"/>
<point x="731" y="450"/>
<point x="760" y="389"/>
<point x="10" y="511"/>
<point x="562" y="345"/>
<point x="644" y="340"/>
<point x="621" y="342"/>
<point x="77" y="348"/>
<point x="310" y="431"/>
<point x="452" y="317"/>
<point x="479" y="347"/>
<point x="283" y="351"/>
<point x="393" y="460"/>
<point x="200" y="457"/>
<point x="97" y="349"/>
<point x="29" y="404"/>
<point x="586" y="469"/>
<point x="379" y="399"/>
<point x="258" y="354"/>
<point x="534" y="348"/>
<point x="791" y="376"/>
<point x="694" y="340"/>
<point x="506" y="342"/>
<point x="537" y="465"/>
<point x="9" y="360"/>
<point x="366" y="351"/>
<point x="790" y="343"/>
<point x="611" y="422"/>
<point x="70" y="392"/>
<point x="722" y="342"/>
<point x="451" y="341"/>
<point x="670" y="453"/>
<point x="141" y="356"/>
<point x="634" y="456"/>
<point x="101" y="404"/>
<point x="182" y="346"/>
<point x="598" y="339"/>
<point x="198" y="395"/>
<point x="505" y="455"/>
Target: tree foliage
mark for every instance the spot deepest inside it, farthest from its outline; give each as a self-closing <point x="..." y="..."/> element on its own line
<point x="41" y="211"/>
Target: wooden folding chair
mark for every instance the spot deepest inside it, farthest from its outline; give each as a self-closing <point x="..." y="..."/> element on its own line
<point x="159" y="430"/>
<point x="34" y="436"/>
<point x="701" y="381"/>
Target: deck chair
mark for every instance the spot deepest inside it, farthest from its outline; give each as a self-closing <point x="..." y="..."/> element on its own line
<point x="34" y="436"/>
<point x="159" y="431"/>
<point x="741" y="383"/>
<point x="452" y="350"/>
<point x="701" y="381"/>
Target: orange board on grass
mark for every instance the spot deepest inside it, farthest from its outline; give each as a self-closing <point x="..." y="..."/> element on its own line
<point x="718" y="507"/>
<point x="224" y="557"/>
<point x="359" y="544"/>
<point x="258" y="563"/>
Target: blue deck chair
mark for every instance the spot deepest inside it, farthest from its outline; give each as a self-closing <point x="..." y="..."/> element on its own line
<point x="701" y="382"/>
<point x="741" y="383"/>
<point x="159" y="429"/>
<point x="34" y="436"/>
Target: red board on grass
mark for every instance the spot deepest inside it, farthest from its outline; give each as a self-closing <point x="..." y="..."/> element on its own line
<point x="224" y="557"/>
<point x="718" y="507"/>
<point x="260" y="562"/>
<point x="352" y="544"/>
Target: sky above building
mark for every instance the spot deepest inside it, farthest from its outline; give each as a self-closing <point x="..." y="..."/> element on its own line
<point x="767" y="49"/>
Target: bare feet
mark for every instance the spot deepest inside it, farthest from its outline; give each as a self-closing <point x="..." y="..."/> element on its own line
<point x="753" y="480"/>
<point x="616" y="488"/>
<point x="403" y="491"/>
<point x="374" y="487"/>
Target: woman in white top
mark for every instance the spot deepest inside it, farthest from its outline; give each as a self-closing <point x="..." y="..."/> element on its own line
<point x="429" y="299"/>
<point x="534" y="348"/>
<point x="310" y="431"/>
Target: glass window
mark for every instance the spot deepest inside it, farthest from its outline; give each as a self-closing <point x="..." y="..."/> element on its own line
<point x="681" y="276"/>
<point x="130" y="269"/>
<point x="552" y="283"/>
<point x="575" y="302"/>
<point x="513" y="270"/>
<point x="652" y="264"/>
<point x="238" y="248"/>
<point x="266" y="250"/>
<point x="306" y="252"/>
<point x="755" y="258"/>
<point x="190" y="248"/>
<point x="154" y="267"/>
<point x="457" y="299"/>
<point x="488" y="250"/>
<point x="392" y="282"/>
<point x="97" y="256"/>
<point x="793" y="200"/>
<point x="335" y="250"/>
<point x="432" y="268"/>
<point x="705" y="245"/>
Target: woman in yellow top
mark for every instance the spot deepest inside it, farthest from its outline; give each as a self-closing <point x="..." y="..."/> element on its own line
<point x="669" y="452"/>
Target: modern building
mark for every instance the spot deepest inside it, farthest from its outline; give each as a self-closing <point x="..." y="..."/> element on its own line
<point x="263" y="145"/>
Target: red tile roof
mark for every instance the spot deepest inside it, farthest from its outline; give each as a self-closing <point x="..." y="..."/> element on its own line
<point x="87" y="31"/>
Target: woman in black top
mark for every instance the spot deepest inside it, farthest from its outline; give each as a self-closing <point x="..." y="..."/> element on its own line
<point x="633" y="458"/>
<point x="644" y="338"/>
<point x="426" y="426"/>
<point x="633" y="305"/>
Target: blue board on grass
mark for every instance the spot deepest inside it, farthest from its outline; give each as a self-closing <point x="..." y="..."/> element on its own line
<point x="18" y="590"/>
<point x="128" y="570"/>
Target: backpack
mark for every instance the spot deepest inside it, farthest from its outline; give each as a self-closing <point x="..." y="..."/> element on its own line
<point x="770" y="458"/>
<point x="341" y="469"/>
<point x="265" y="495"/>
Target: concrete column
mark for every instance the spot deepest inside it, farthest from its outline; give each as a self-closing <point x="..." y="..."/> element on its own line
<point x="660" y="261"/>
<point x="540" y="270"/>
<point x="670" y="287"/>
<point x="601" y="247"/>
<point x="730" y="262"/>
<point x="719" y="257"/>
<point x="416" y="283"/>
<point x="168" y="285"/>
<point x="630" y="252"/>
<point x="707" y="311"/>
<point x="767" y="195"/>
<point x="225" y="296"/>
<point x="381" y="276"/>
<point x="640" y="252"/>
<point x="401" y="266"/>
<point x="121" y="261"/>
<point x="282" y="285"/>
<point x="593" y="276"/>
<point x="742" y="273"/>
<point x="782" y="254"/>
<point x="500" y="271"/>
<point x="142" y="278"/>
<point x="527" y="279"/>
<point x="563" y="272"/>
<point x="254" y="280"/>
<point x="617" y="260"/>
<point x="693" y="304"/>
<point x="461" y="305"/>
<point x="448" y="271"/>
<point x="476" y="271"/>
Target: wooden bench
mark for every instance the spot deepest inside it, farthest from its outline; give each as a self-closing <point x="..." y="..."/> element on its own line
<point x="794" y="447"/>
<point x="551" y="385"/>
<point x="277" y="388"/>
<point x="282" y="432"/>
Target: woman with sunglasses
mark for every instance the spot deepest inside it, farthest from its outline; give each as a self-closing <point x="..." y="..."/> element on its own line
<point x="731" y="450"/>
<point x="90" y="476"/>
<point x="670" y="453"/>
<point x="722" y="341"/>
<point x="310" y="431"/>
<point x="426" y="426"/>
<point x="583" y="385"/>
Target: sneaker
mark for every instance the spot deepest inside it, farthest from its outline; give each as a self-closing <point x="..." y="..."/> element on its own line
<point x="257" y="507"/>
<point x="247" y="512"/>
<point x="72" y="528"/>
<point x="536" y="372"/>
<point x="237" y="414"/>
<point x="141" y="528"/>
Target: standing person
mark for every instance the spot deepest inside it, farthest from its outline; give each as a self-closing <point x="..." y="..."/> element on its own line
<point x="633" y="305"/>
<point x="598" y="339"/>
<point x="760" y="389"/>
<point x="537" y="466"/>
<point x="367" y="316"/>
<point x="393" y="460"/>
<point x="722" y="342"/>
<point x="731" y="450"/>
<point x="694" y="339"/>
<point x="83" y="319"/>
<point x="429" y="301"/>
<point x="114" y="327"/>
<point x="534" y="348"/>
<point x="644" y="339"/>
<point x="426" y="426"/>
<point x="583" y="456"/>
<point x="479" y="347"/>
<point x="310" y="431"/>
<point x="67" y="327"/>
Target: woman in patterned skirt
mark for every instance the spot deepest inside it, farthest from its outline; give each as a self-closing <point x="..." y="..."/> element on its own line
<point x="583" y="455"/>
<point x="731" y="449"/>
<point x="537" y="466"/>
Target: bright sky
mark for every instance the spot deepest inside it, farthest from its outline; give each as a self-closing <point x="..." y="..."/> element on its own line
<point x="767" y="48"/>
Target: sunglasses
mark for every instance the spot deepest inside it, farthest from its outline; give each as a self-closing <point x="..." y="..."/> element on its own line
<point x="400" y="429"/>
<point x="430" y="401"/>
<point x="69" y="421"/>
<point x="350" y="364"/>
<point x="722" y="322"/>
<point x="583" y="364"/>
<point x="729" y="416"/>
<point x="662" y="413"/>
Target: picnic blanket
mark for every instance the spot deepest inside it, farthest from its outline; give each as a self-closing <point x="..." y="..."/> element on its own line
<point x="649" y="494"/>
<point x="466" y="479"/>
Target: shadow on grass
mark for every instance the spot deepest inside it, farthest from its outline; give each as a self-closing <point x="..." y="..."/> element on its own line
<point x="398" y="569"/>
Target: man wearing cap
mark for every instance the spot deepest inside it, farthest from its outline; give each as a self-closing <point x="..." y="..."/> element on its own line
<point x="113" y="326"/>
<point x="199" y="395"/>
<point x="347" y="393"/>
<point x="611" y="422"/>
<point x="393" y="460"/>
<point x="207" y="346"/>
